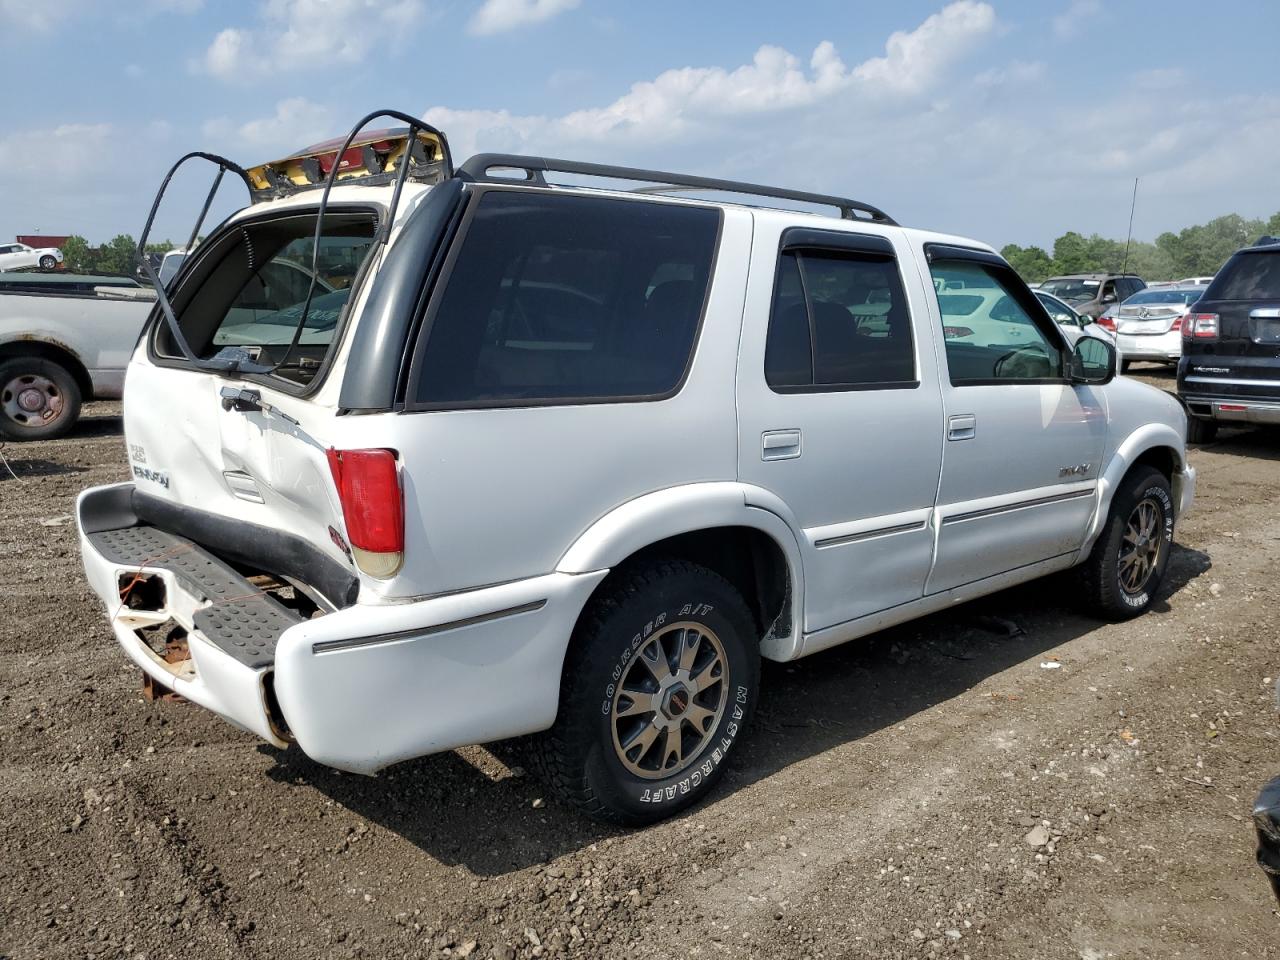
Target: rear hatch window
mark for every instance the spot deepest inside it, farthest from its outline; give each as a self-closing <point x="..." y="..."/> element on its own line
<point x="248" y="292"/>
<point x="1248" y="276"/>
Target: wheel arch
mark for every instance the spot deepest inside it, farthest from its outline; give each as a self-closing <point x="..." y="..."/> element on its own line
<point x="1156" y="445"/>
<point x="711" y="524"/>
<point x="53" y="351"/>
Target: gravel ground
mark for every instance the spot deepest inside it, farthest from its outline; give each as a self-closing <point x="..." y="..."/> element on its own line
<point x="932" y="791"/>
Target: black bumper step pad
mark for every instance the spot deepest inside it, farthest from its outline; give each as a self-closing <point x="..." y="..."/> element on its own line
<point x="241" y="620"/>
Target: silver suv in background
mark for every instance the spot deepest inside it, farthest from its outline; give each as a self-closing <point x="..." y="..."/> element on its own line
<point x="1091" y="293"/>
<point x="570" y="461"/>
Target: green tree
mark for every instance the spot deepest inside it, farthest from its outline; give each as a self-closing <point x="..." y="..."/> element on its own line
<point x="1032" y="263"/>
<point x="79" y="256"/>
<point x="117" y="256"/>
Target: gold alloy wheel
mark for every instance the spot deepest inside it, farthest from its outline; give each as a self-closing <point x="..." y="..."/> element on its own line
<point x="669" y="700"/>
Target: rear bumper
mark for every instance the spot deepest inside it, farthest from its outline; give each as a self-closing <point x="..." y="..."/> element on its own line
<point x="366" y="686"/>
<point x="212" y="678"/>
<point x="1233" y="409"/>
<point x="1161" y="347"/>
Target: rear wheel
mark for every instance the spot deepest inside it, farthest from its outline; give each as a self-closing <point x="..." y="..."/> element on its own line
<point x="39" y="399"/>
<point x="1127" y="564"/>
<point x="47" y="262"/>
<point x="1201" y="430"/>
<point x="659" y="683"/>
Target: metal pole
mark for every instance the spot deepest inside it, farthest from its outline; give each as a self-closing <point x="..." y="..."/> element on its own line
<point x="1127" y="240"/>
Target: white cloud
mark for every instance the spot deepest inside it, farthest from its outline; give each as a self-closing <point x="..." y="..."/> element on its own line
<point x="25" y="15"/>
<point x="296" y="123"/>
<point x="914" y="60"/>
<point x="1018" y="73"/>
<point x="1071" y="22"/>
<point x="133" y="71"/>
<point x="496" y="16"/>
<point x="685" y="101"/>
<point x="67" y="150"/>
<point x="312" y="34"/>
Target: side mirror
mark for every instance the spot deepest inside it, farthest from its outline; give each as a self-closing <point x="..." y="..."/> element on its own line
<point x="1093" y="361"/>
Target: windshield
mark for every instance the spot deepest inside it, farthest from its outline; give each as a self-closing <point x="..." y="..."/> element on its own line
<point x="1165" y="296"/>
<point x="247" y="289"/>
<point x="1071" y="290"/>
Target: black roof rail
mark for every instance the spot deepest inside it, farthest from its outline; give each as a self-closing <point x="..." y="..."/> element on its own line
<point x="477" y="170"/>
<point x="1266" y="241"/>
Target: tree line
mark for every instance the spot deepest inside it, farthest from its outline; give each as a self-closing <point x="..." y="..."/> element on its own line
<point x="114" y="257"/>
<point x="1196" y="251"/>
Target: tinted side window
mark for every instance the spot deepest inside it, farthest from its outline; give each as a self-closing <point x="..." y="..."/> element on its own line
<point x="988" y="325"/>
<point x="1247" y="276"/>
<point x="839" y="321"/>
<point x="557" y="298"/>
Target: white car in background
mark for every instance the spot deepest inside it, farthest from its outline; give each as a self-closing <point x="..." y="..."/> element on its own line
<point x="1148" y="326"/>
<point x="1075" y="325"/>
<point x="16" y="256"/>
<point x="1195" y="282"/>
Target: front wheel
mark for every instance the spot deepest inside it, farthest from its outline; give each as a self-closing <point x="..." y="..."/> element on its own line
<point x="39" y="399"/>
<point x="1127" y="564"/>
<point x="660" y="681"/>
<point x="47" y="262"/>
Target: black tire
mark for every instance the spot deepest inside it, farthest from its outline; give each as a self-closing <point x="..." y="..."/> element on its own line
<point x="1104" y="588"/>
<point x="1125" y="365"/>
<point x="47" y="262"/>
<point x="641" y="608"/>
<point x="1201" y="429"/>
<point x="56" y="385"/>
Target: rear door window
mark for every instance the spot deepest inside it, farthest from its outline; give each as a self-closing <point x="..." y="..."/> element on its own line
<point x="566" y="298"/>
<point x="839" y="322"/>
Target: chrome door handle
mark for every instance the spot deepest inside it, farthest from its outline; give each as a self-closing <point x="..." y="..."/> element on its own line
<point x="962" y="427"/>
<point x="780" y="445"/>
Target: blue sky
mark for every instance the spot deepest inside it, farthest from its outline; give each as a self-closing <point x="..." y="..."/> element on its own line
<point x="1006" y="121"/>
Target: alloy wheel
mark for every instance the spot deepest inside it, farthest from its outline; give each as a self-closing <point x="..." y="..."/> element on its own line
<point x="669" y="700"/>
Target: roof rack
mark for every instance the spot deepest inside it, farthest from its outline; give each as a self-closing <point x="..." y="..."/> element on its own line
<point x="477" y="170"/>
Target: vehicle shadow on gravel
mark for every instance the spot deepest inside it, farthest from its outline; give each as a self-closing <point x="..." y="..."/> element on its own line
<point x="1256" y="443"/>
<point x="24" y="468"/>
<point x="480" y="816"/>
<point x="101" y="425"/>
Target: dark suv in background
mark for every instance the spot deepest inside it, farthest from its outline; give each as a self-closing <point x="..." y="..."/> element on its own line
<point x="1230" y="366"/>
<point x="1091" y="293"/>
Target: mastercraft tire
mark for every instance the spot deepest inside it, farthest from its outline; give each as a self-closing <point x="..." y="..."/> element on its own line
<point x="39" y="399"/>
<point x="1127" y="564"/>
<point x="660" y="681"/>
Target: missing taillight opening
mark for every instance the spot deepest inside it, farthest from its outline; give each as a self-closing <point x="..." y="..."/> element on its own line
<point x="368" y="483"/>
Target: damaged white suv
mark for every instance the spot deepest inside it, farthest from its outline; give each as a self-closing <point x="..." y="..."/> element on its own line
<point x="426" y="456"/>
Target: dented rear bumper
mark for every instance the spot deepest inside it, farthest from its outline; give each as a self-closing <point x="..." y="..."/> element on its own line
<point x="358" y="688"/>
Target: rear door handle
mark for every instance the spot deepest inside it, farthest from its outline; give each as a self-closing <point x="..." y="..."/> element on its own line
<point x="962" y="427"/>
<point x="780" y="445"/>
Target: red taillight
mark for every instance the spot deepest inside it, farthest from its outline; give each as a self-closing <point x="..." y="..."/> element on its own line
<point x="372" y="507"/>
<point x="1177" y="324"/>
<point x="1107" y="323"/>
<point x="952" y="333"/>
<point x="1200" y="326"/>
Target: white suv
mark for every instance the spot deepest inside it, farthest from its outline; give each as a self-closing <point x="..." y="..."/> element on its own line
<point x="570" y="461"/>
<point x="17" y="256"/>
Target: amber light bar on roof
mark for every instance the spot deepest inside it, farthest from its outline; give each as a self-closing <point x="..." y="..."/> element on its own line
<point x="373" y="156"/>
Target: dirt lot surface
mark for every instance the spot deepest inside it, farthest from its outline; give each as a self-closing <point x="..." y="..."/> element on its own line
<point x="936" y="790"/>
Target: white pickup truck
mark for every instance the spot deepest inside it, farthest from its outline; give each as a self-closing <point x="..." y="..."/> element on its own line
<point x="63" y="339"/>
